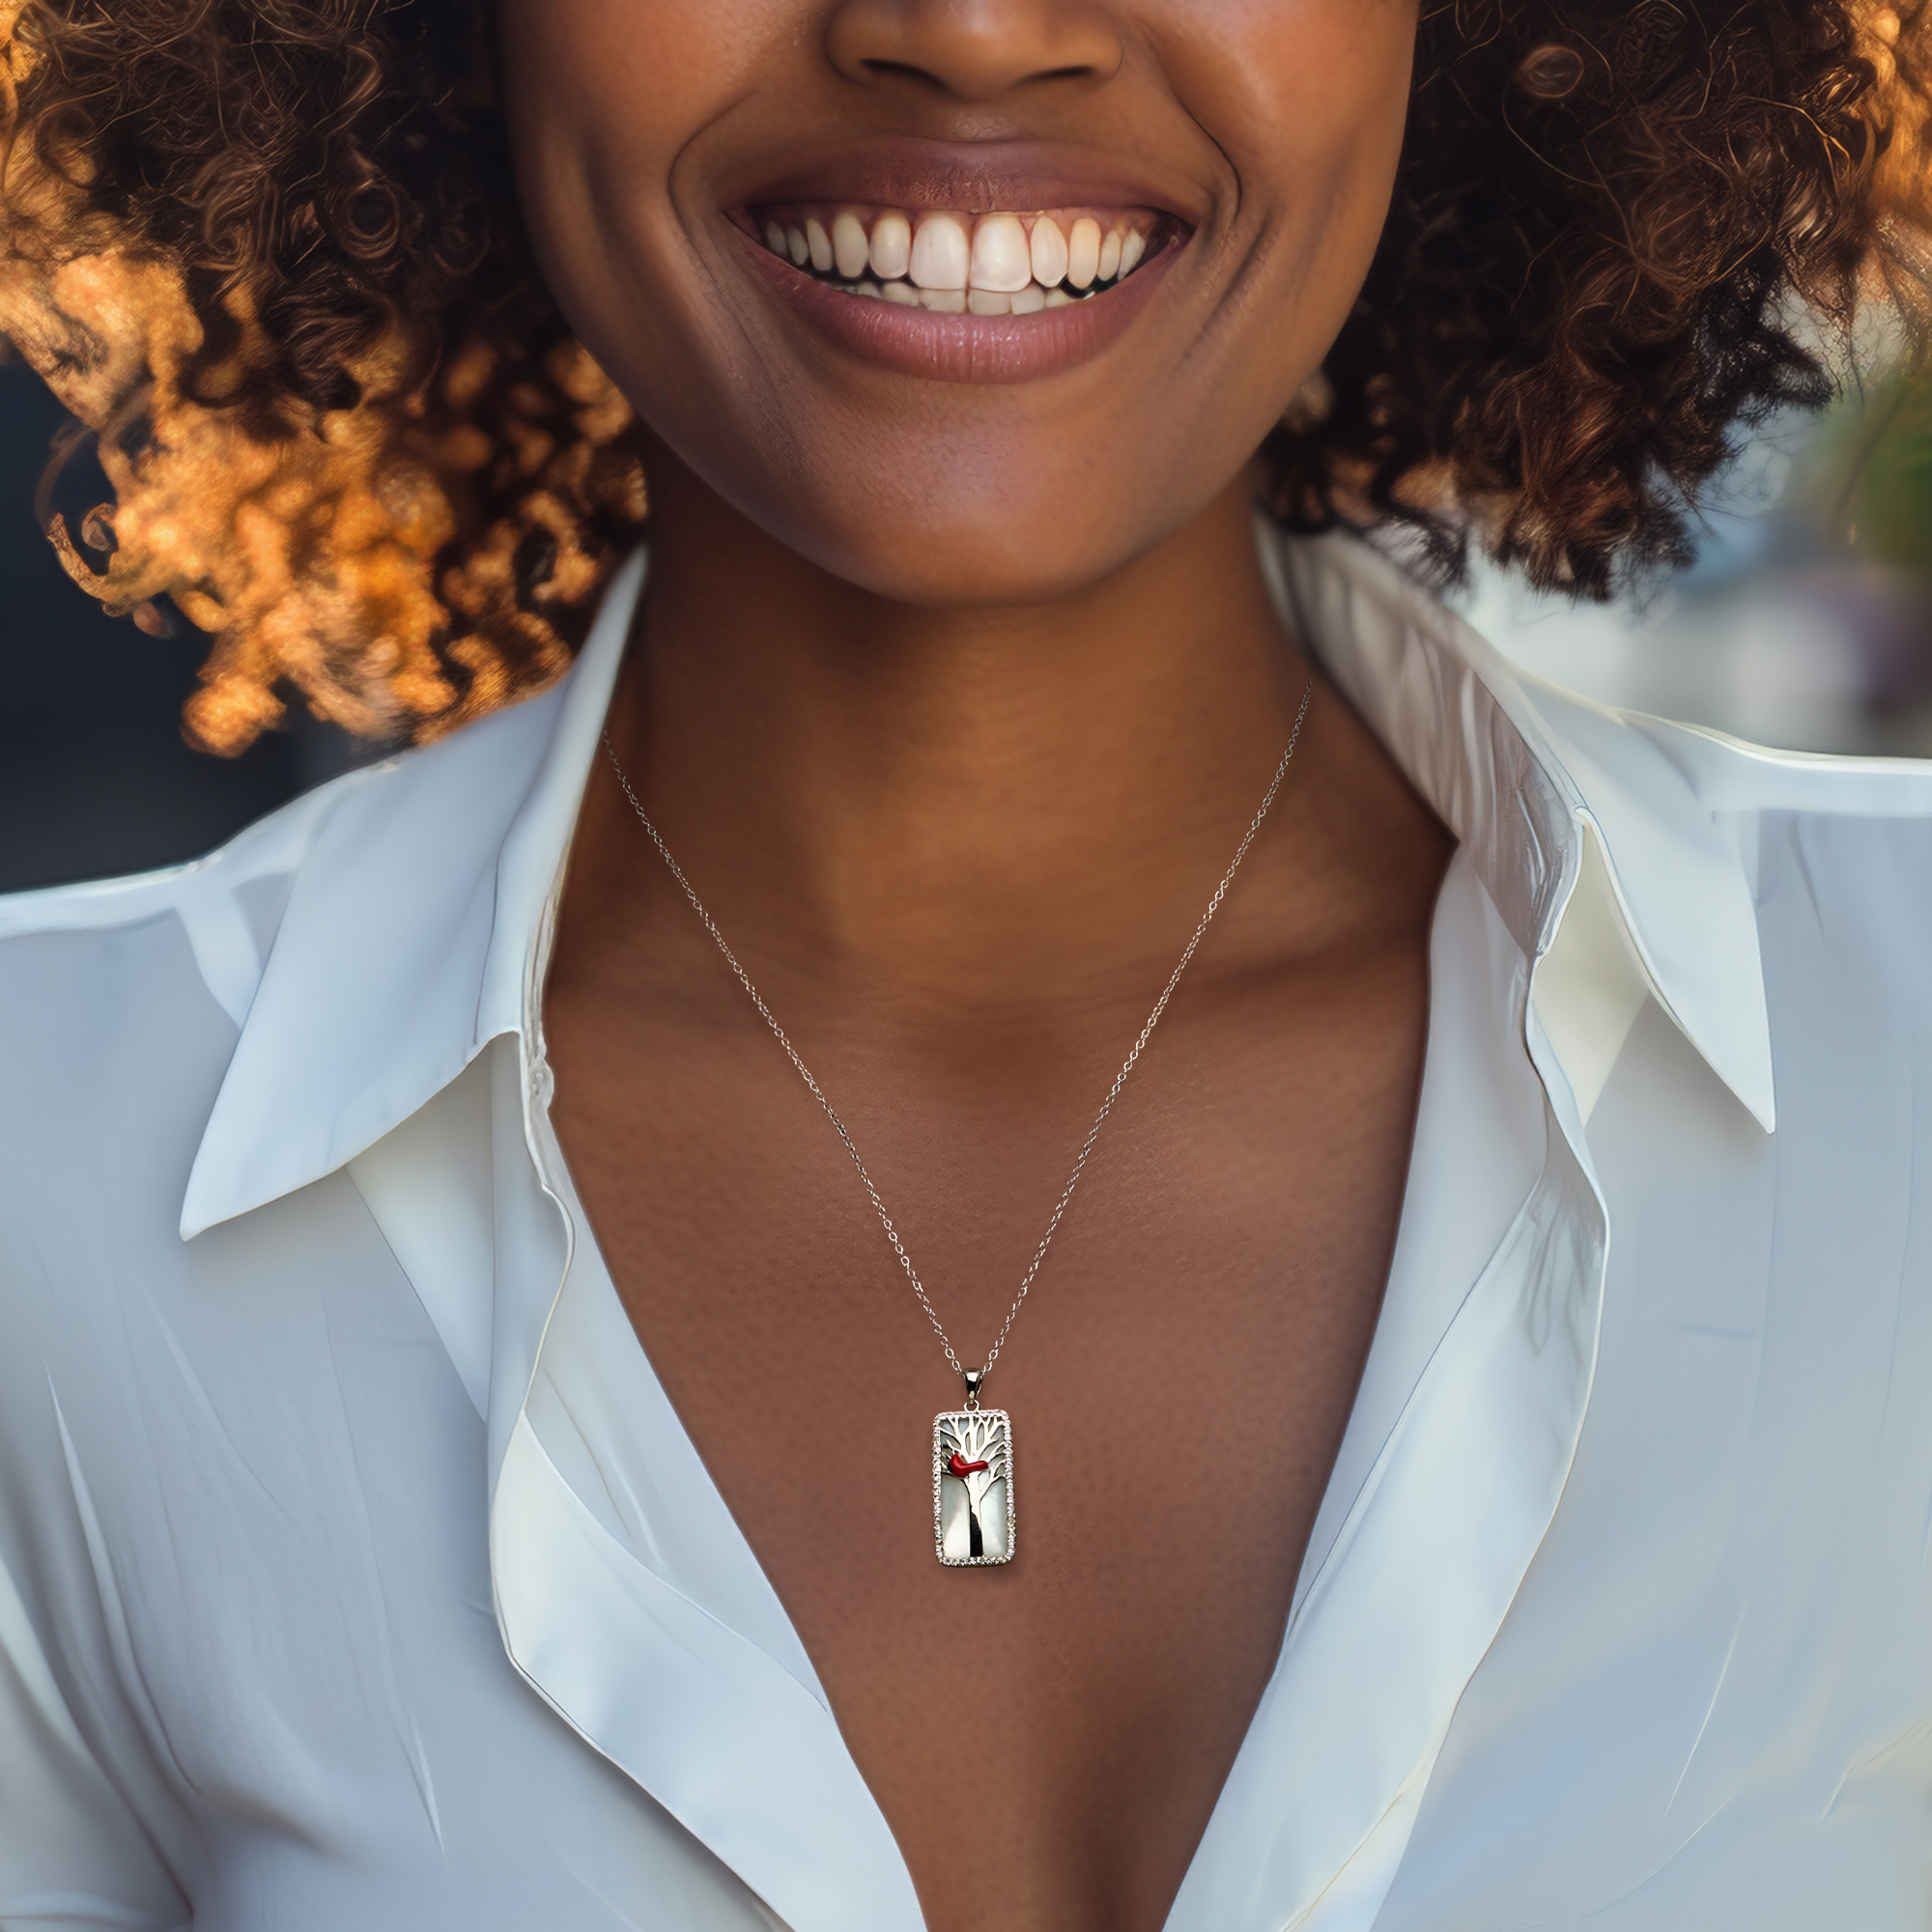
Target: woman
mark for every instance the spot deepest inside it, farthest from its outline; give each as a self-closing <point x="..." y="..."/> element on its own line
<point x="484" y="1442"/>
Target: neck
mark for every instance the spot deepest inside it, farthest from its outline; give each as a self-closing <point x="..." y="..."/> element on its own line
<point x="959" y="799"/>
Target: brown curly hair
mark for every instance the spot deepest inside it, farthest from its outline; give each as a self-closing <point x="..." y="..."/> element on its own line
<point x="267" y="252"/>
<point x="1614" y="231"/>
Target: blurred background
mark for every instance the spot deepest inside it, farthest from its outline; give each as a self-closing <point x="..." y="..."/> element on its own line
<point x="94" y="776"/>
<point x="1807" y="624"/>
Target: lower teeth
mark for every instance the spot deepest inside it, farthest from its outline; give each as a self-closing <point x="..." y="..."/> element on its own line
<point x="976" y="301"/>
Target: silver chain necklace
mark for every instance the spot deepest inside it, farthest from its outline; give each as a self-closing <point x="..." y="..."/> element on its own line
<point x="972" y="1448"/>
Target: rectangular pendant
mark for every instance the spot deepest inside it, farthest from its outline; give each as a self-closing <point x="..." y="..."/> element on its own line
<point x="973" y="1487"/>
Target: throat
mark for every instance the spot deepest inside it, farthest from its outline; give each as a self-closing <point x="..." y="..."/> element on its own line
<point x="968" y="801"/>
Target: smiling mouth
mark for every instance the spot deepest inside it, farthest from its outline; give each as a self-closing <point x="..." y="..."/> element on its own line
<point x="951" y="263"/>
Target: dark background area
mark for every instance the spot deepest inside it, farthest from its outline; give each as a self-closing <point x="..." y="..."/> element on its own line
<point x="94" y="778"/>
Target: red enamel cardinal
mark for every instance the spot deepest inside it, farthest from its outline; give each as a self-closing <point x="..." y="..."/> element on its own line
<point x="959" y="1466"/>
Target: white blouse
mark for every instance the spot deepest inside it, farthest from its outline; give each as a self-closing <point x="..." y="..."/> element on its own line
<point x="355" y="1573"/>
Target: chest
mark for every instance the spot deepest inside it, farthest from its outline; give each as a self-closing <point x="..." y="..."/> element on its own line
<point x="1178" y="1380"/>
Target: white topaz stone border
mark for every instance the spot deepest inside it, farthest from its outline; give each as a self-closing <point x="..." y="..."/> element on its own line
<point x="977" y="1506"/>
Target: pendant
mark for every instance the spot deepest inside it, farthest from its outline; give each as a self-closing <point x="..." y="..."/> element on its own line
<point x="973" y="1487"/>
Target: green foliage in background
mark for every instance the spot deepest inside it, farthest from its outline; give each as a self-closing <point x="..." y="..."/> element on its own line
<point x="1878" y="458"/>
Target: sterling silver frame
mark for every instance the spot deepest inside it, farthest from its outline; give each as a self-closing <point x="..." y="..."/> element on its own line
<point x="982" y="1434"/>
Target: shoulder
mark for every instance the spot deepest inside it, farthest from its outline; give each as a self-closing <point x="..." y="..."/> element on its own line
<point x="1837" y="851"/>
<point x="1731" y="775"/>
<point x="121" y="1003"/>
<point x="237" y="873"/>
<point x="1867" y="821"/>
<point x="1828" y="862"/>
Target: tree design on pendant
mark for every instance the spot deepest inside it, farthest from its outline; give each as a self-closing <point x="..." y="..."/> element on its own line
<point x="972" y="1468"/>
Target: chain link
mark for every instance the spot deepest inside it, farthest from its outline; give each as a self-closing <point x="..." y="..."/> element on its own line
<point x="817" y="1092"/>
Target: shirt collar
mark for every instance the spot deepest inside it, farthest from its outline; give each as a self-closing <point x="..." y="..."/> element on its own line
<point x="413" y="930"/>
<point x="1521" y="771"/>
<point x="410" y="937"/>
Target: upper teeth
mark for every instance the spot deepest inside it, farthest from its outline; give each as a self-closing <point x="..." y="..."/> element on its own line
<point x="996" y="263"/>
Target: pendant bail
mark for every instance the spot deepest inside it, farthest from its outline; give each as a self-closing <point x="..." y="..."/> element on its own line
<point x="974" y="1377"/>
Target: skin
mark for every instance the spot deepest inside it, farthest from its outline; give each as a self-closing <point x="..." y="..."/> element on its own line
<point x="953" y="700"/>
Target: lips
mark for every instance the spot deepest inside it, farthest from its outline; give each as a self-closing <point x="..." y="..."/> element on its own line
<point x="1001" y="266"/>
<point x="978" y="178"/>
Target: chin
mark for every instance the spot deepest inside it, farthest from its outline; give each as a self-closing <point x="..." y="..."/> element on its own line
<point x="969" y="556"/>
<point x="936" y="532"/>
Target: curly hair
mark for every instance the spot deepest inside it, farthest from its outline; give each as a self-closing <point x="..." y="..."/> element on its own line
<point x="268" y="254"/>
<point x="1610" y="225"/>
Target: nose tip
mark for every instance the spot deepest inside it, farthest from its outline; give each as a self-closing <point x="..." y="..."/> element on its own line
<point x="972" y="50"/>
